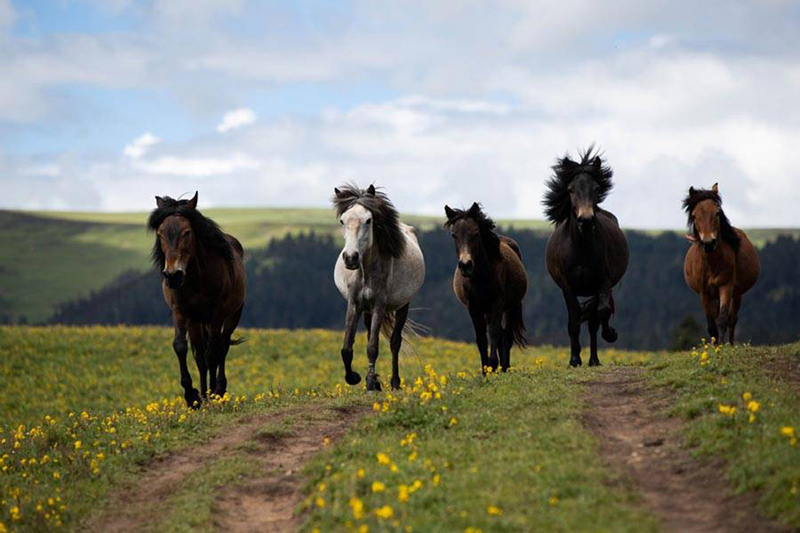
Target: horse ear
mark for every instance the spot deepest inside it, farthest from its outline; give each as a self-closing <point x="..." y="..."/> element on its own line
<point x="715" y="188"/>
<point x="691" y="191"/>
<point x="598" y="163"/>
<point x="160" y="202"/>
<point x="337" y="192"/>
<point x="475" y="209"/>
<point x="449" y="212"/>
<point x="371" y="190"/>
<point x="193" y="202"/>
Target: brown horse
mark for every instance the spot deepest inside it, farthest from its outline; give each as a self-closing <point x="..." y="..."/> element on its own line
<point x="587" y="253"/>
<point x="490" y="281"/>
<point x="721" y="264"/>
<point x="204" y="286"/>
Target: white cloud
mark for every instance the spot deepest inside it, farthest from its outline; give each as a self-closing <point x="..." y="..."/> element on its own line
<point x="236" y="119"/>
<point x="198" y="166"/>
<point x="140" y="145"/>
<point x="7" y="14"/>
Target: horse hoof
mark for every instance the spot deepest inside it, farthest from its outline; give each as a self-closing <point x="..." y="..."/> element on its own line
<point x="373" y="383"/>
<point x="193" y="400"/>
<point x="574" y="363"/>
<point x="395" y="383"/>
<point x="594" y="362"/>
<point x="352" y="378"/>
<point x="610" y="335"/>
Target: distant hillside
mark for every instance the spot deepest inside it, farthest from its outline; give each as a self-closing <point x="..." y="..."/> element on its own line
<point x="290" y="285"/>
<point x="53" y="257"/>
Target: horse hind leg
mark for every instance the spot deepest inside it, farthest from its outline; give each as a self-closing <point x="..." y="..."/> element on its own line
<point x="400" y="317"/>
<point x="495" y="340"/>
<point x="508" y="342"/>
<point x="199" y="346"/>
<point x="711" y="309"/>
<point x="734" y="318"/>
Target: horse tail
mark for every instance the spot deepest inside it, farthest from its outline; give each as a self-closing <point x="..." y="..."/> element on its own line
<point x="517" y="325"/>
<point x="411" y="329"/>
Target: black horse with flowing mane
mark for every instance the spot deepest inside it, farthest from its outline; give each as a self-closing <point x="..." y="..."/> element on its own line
<point x="204" y="286"/>
<point x="587" y="253"/>
<point x="490" y="281"/>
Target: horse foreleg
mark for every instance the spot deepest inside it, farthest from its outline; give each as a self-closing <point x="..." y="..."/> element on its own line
<point x="594" y="325"/>
<point x="181" y="347"/>
<point x="350" y="328"/>
<point x="378" y="315"/>
<point x="199" y="347"/>
<point x="479" y="324"/>
<point x="711" y="309"/>
<point x="495" y="339"/>
<point x="573" y="327"/>
<point x="725" y="304"/>
<point x="368" y="323"/>
<point x="400" y="317"/>
<point x="229" y="326"/>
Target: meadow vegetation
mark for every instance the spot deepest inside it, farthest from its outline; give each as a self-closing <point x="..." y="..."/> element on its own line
<point x="84" y="408"/>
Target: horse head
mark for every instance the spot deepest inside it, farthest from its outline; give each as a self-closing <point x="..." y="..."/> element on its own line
<point x="177" y="242"/>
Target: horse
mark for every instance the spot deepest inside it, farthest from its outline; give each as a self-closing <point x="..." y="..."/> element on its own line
<point x="587" y="253"/>
<point x="721" y="263"/>
<point x="490" y="281"/>
<point x="203" y="281"/>
<point x="379" y="271"/>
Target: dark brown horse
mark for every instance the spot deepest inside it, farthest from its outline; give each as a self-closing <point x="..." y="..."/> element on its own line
<point x="204" y="286"/>
<point x="587" y="253"/>
<point x="721" y="264"/>
<point x="490" y="281"/>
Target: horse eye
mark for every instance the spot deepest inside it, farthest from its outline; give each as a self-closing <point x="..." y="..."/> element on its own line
<point x="369" y="221"/>
<point x="341" y="222"/>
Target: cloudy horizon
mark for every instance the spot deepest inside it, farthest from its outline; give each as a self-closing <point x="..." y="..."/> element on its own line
<point x="106" y="104"/>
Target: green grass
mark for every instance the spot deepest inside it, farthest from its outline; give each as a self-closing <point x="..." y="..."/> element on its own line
<point x="759" y="456"/>
<point x="513" y="443"/>
<point x="504" y="454"/>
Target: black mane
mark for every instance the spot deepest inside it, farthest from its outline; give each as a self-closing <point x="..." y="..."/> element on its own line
<point x="206" y="232"/>
<point x="696" y="196"/>
<point x="385" y="220"/>
<point x="556" y="199"/>
<point x="491" y="241"/>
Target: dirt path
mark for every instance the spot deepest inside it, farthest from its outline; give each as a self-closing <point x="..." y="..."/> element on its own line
<point x="266" y="504"/>
<point x="638" y="441"/>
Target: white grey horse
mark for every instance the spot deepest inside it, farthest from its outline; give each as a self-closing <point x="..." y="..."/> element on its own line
<point x="378" y="272"/>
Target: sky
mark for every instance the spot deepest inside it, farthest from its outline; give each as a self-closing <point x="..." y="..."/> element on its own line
<point x="106" y="103"/>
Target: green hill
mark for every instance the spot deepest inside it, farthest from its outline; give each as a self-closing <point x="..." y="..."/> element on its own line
<point x="51" y="257"/>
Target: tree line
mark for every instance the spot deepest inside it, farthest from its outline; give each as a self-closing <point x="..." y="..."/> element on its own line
<point x="290" y="285"/>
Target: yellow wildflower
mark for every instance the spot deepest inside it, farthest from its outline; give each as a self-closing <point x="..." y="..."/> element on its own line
<point x="385" y="512"/>
<point x="747" y="396"/>
<point x="383" y="458"/>
<point x="358" y="508"/>
<point x="320" y="501"/>
<point x="753" y="406"/>
<point x="494" y="510"/>
<point x="402" y="493"/>
<point x="377" y="486"/>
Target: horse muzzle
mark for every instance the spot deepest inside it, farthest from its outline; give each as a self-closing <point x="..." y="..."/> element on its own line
<point x="467" y="268"/>
<point x="710" y="246"/>
<point x="351" y="261"/>
<point x="174" y="279"/>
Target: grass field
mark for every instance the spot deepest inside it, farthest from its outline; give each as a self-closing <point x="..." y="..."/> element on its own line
<point x="84" y="408"/>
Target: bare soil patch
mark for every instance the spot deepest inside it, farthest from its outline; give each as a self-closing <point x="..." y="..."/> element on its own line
<point x="266" y="503"/>
<point x="640" y="442"/>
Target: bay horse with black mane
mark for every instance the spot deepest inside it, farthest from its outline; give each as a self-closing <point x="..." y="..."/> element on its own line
<point x="204" y="286"/>
<point x="587" y="253"/>
<point x="721" y="264"/>
<point x="380" y="269"/>
<point x="490" y="281"/>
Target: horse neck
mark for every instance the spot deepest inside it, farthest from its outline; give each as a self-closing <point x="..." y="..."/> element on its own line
<point x="371" y="263"/>
<point x="484" y="267"/>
